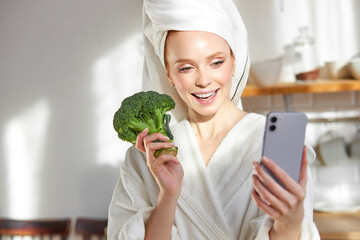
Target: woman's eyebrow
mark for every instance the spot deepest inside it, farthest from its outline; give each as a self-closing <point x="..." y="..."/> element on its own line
<point x="183" y="60"/>
<point x="216" y="54"/>
<point x="186" y="60"/>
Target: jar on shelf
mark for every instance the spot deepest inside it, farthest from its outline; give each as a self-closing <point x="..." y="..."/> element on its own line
<point x="287" y="70"/>
<point x="305" y="61"/>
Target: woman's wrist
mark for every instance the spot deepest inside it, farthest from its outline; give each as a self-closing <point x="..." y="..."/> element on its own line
<point x="166" y="199"/>
<point x="169" y="200"/>
<point x="171" y="194"/>
<point x="284" y="231"/>
<point x="160" y="223"/>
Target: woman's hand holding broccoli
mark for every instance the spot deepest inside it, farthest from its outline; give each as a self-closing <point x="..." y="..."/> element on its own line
<point x="142" y="120"/>
<point x="168" y="173"/>
<point x="145" y="110"/>
<point x="166" y="169"/>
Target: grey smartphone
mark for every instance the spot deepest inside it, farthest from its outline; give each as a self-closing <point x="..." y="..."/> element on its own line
<point x="283" y="142"/>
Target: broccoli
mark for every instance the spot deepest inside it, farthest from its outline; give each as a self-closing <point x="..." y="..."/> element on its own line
<point x="145" y="110"/>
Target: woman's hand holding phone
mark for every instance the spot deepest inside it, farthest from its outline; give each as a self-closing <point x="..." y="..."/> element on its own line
<point x="284" y="205"/>
<point x="280" y="180"/>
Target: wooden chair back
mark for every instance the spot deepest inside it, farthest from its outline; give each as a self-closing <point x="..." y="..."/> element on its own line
<point x="43" y="227"/>
<point x="89" y="227"/>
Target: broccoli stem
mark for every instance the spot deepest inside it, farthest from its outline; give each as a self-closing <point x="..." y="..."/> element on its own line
<point x="169" y="151"/>
<point x="159" y="118"/>
<point x="158" y="125"/>
<point x="167" y="127"/>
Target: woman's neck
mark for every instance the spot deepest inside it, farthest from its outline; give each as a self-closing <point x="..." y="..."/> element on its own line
<point x="211" y="127"/>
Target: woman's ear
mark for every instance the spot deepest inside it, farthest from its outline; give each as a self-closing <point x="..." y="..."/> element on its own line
<point x="171" y="83"/>
<point x="169" y="79"/>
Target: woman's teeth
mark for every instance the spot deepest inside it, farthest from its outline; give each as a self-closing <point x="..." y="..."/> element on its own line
<point x="205" y="95"/>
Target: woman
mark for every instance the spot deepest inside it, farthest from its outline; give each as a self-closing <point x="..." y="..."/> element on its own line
<point x="206" y="191"/>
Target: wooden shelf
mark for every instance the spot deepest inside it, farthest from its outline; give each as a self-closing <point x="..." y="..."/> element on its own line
<point x="316" y="86"/>
<point x="338" y="225"/>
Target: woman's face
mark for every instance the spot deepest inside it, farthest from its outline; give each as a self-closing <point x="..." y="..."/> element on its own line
<point x="200" y="65"/>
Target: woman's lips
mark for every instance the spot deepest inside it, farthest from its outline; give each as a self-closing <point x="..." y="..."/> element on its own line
<point x="205" y="98"/>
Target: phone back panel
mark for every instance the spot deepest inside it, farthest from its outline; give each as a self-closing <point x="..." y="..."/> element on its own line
<point x="284" y="141"/>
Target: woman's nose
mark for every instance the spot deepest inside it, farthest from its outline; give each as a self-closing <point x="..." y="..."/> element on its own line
<point x="202" y="80"/>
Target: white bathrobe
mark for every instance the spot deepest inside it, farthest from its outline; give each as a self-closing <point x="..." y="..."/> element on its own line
<point x="215" y="200"/>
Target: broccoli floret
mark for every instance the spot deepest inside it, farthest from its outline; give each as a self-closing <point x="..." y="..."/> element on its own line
<point x="145" y="110"/>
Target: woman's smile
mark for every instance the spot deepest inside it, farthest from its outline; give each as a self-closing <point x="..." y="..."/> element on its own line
<point x="205" y="97"/>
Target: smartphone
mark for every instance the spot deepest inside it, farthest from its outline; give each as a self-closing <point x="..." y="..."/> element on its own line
<point x="283" y="142"/>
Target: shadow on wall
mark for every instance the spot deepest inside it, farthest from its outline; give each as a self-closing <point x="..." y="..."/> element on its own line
<point x="96" y="190"/>
<point x="48" y="52"/>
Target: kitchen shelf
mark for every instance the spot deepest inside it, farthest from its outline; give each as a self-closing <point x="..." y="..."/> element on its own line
<point x="338" y="225"/>
<point x="309" y="86"/>
<point x="315" y="86"/>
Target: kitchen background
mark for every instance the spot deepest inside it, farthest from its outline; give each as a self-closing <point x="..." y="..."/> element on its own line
<point x="65" y="66"/>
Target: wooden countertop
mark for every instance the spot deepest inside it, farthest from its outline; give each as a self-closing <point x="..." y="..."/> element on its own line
<point x="340" y="226"/>
<point x="316" y="86"/>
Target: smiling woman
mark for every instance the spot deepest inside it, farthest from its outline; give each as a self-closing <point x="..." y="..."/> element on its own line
<point x="197" y="53"/>
<point x="200" y="65"/>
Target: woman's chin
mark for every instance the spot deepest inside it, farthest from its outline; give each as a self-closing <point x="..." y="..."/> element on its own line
<point x="205" y="112"/>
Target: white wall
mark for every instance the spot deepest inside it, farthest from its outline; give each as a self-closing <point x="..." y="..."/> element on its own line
<point x="272" y="24"/>
<point x="64" y="69"/>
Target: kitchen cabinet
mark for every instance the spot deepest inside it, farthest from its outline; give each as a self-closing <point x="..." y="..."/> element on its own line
<point x="316" y="86"/>
<point x="340" y="226"/>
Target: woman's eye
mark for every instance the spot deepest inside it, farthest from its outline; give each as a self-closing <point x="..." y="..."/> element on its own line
<point x="184" y="69"/>
<point x="218" y="62"/>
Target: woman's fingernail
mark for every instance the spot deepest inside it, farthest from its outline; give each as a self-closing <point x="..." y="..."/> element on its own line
<point x="254" y="164"/>
<point x="145" y="130"/>
<point x="265" y="160"/>
<point x="166" y="138"/>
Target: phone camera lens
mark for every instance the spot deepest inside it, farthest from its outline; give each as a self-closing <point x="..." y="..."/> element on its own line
<point x="273" y="119"/>
<point x="272" y="128"/>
